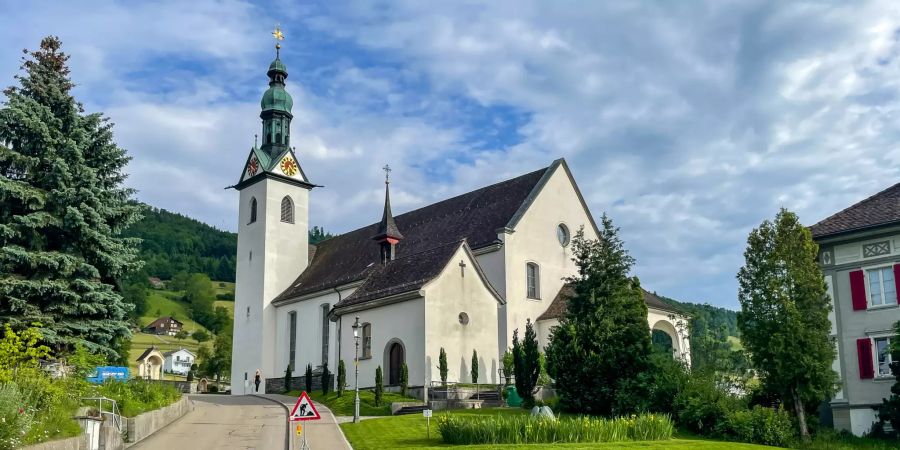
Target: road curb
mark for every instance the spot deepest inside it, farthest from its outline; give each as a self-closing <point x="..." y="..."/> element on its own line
<point x="287" y="420"/>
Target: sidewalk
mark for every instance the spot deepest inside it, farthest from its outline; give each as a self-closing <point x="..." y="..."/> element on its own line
<point x="320" y="434"/>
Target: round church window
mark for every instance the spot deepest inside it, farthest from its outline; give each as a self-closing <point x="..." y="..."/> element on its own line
<point x="562" y="234"/>
<point x="463" y="318"/>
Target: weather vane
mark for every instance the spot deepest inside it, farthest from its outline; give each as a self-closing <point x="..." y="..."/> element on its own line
<point x="278" y="35"/>
<point x="387" y="173"/>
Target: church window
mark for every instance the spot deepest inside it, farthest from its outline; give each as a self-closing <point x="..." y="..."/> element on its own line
<point x="292" y="337"/>
<point x="325" y="330"/>
<point x="463" y="318"/>
<point x="533" y="280"/>
<point x="287" y="210"/>
<point x="367" y="340"/>
<point x="562" y="234"/>
<point x="252" y="210"/>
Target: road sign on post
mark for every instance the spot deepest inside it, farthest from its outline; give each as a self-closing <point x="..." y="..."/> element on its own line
<point x="427" y="414"/>
<point x="304" y="409"/>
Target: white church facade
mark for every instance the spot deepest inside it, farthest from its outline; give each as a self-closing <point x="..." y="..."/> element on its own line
<point x="460" y="274"/>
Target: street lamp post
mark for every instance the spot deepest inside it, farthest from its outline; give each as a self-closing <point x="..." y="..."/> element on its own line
<point x="356" y="361"/>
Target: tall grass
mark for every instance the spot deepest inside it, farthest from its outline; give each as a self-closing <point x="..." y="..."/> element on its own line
<point x="498" y="429"/>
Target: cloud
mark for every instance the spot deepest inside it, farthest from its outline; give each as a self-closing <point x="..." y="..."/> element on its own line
<point x="689" y="123"/>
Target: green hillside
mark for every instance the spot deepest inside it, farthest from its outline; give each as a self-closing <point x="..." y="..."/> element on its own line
<point x="173" y="243"/>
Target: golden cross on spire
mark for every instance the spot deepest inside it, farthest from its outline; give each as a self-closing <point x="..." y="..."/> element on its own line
<point x="387" y="173"/>
<point x="278" y="35"/>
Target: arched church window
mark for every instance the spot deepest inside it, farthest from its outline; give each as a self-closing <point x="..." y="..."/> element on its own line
<point x="533" y="280"/>
<point x="287" y="210"/>
<point x="278" y="138"/>
<point x="367" y="340"/>
<point x="252" y="210"/>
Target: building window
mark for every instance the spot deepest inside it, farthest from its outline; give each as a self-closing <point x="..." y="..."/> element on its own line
<point x="292" y="337"/>
<point x="287" y="210"/>
<point x="325" y="330"/>
<point x="252" y="210"/>
<point x="533" y="280"/>
<point x="883" y="356"/>
<point x="367" y="340"/>
<point x="562" y="234"/>
<point x="463" y="318"/>
<point x="882" y="290"/>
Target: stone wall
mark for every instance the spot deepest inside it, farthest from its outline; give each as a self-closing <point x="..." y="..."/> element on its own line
<point x="148" y="423"/>
<point x="276" y="385"/>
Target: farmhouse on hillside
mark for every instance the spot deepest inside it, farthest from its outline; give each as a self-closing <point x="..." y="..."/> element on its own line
<point x="167" y="326"/>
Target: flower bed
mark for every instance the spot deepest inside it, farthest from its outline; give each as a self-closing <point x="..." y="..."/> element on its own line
<point x="499" y="429"/>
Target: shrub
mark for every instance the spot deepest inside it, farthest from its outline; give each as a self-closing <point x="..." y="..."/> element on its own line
<point x="139" y="396"/>
<point x="760" y="425"/>
<point x="15" y="416"/>
<point x="404" y="379"/>
<point x="379" y="386"/>
<point x="287" y="378"/>
<point x="702" y="406"/>
<point x="508" y="367"/>
<point x="523" y="429"/>
<point x="342" y="378"/>
<point x="442" y="367"/>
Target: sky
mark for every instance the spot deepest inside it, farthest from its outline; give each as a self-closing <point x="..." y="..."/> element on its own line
<point x="689" y="123"/>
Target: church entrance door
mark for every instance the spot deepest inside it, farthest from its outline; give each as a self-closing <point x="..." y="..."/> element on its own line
<point x="396" y="360"/>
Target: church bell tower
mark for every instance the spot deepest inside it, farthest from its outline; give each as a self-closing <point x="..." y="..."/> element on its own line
<point x="272" y="234"/>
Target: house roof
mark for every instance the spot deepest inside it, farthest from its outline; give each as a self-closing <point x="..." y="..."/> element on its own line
<point x="428" y="232"/>
<point x="880" y="209"/>
<point x="558" y="307"/>
<point x="180" y="350"/>
<point x="161" y="321"/>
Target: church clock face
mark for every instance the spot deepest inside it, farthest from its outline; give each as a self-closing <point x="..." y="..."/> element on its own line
<point x="252" y="166"/>
<point x="289" y="166"/>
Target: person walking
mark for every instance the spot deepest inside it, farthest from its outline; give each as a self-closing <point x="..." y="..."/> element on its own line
<point x="257" y="379"/>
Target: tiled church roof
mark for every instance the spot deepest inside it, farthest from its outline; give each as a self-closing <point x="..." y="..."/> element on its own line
<point x="475" y="216"/>
<point x="882" y="208"/>
<point x="558" y="307"/>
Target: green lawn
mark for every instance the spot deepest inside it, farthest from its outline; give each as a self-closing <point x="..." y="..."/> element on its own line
<point x="409" y="432"/>
<point x="343" y="406"/>
<point x="166" y="303"/>
<point x="735" y="343"/>
<point x="227" y="304"/>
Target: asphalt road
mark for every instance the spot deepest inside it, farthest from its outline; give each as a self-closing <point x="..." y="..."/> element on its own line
<point x="223" y="422"/>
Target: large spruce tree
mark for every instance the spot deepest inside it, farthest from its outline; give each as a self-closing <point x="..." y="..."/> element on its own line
<point x="63" y="208"/>
<point x="784" y="315"/>
<point x="602" y="344"/>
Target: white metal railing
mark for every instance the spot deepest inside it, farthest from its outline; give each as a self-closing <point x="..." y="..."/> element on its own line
<point x="112" y="412"/>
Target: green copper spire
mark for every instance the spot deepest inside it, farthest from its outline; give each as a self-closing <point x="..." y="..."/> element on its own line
<point x="276" y="106"/>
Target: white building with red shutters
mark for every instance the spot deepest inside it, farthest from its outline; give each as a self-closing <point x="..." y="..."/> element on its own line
<point x="860" y="257"/>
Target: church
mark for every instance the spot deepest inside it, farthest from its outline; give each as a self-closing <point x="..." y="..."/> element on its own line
<point x="459" y="275"/>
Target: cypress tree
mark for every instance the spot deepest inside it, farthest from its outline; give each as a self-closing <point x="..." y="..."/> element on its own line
<point x="308" y="377"/>
<point x="63" y="208"/>
<point x="379" y="386"/>
<point x="326" y="379"/>
<point x="784" y="315"/>
<point x="601" y="347"/>
<point x="341" y="378"/>
<point x="474" y="369"/>
<point x="443" y="368"/>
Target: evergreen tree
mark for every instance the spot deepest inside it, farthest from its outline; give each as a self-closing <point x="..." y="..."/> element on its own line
<point x="287" y="377"/>
<point x="526" y="362"/>
<point x="379" y="386"/>
<point x="602" y="344"/>
<point x="889" y="412"/>
<point x="326" y="379"/>
<point x="63" y="208"/>
<point x="341" y="378"/>
<point x="404" y="379"/>
<point x="784" y="315"/>
<point x="474" y="369"/>
<point x="442" y="367"/>
<point x="308" y="377"/>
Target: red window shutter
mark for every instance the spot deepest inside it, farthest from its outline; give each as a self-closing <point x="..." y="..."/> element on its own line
<point x="858" y="290"/>
<point x="866" y="364"/>
<point x="897" y="280"/>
